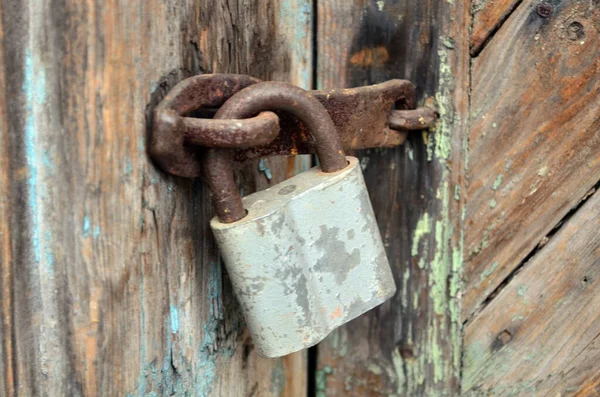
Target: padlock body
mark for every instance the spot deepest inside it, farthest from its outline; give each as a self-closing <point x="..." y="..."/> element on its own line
<point x="307" y="258"/>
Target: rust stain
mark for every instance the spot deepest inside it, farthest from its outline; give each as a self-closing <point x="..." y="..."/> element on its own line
<point x="337" y="313"/>
<point x="370" y="57"/>
<point x="589" y="388"/>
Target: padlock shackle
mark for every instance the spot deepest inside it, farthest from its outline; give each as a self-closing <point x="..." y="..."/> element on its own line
<point x="250" y="101"/>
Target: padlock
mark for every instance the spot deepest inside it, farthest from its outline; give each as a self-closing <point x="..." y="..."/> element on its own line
<point x="304" y="256"/>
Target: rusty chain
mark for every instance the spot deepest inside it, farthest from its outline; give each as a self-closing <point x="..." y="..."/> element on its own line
<point x="364" y="118"/>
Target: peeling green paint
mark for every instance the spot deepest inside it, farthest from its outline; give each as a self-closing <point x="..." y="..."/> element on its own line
<point x="437" y="357"/>
<point x="423" y="228"/>
<point x="457" y="263"/>
<point x="338" y="342"/>
<point x="475" y="353"/>
<point x="440" y="267"/>
<point x="415" y="304"/>
<point x="497" y="182"/>
<point x="487" y="272"/>
<point x="278" y="379"/>
<point x="443" y="133"/>
<point x="405" y="279"/>
<point x="374" y="368"/>
<point x="443" y="334"/>
<point x="321" y="381"/>
<point x="410" y="152"/>
<point x="522" y="289"/>
<point x="493" y="203"/>
<point x="448" y="42"/>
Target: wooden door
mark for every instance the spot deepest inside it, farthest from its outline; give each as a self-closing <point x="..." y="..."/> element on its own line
<point x="111" y="283"/>
<point x="531" y="302"/>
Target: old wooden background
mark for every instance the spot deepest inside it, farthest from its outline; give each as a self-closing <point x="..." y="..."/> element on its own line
<point x="531" y="300"/>
<point x="110" y="280"/>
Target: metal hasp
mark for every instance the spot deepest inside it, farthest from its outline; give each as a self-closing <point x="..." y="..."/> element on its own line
<point x="306" y="255"/>
<point x="364" y="118"/>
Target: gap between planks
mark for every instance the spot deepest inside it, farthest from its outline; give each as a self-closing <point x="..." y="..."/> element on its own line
<point x="531" y="254"/>
<point x="477" y="49"/>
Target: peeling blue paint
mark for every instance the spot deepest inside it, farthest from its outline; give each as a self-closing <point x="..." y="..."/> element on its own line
<point x="177" y="376"/>
<point x="47" y="160"/>
<point x="34" y="88"/>
<point x="48" y="251"/>
<point x="207" y="360"/>
<point x="264" y="169"/>
<point x="174" y="319"/>
<point x="86" y="226"/>
<point x="141" y="146"/>
<point x="128" y="166"/>
<point x="300" y="18"/>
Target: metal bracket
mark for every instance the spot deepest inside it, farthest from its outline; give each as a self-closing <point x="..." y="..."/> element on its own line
<point x="363" y="117"/>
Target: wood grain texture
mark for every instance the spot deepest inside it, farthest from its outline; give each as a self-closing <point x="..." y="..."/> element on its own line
<point x="111" y="281"/>
<point x="535" y="137"/>
<point x="487" y="16"/>
<point x="409" y="346"/>
<point x="539" y="336"/>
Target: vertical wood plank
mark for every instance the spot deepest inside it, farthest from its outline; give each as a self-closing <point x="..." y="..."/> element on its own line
<point x="410" y="346"/>
<point x="111" y="281"/>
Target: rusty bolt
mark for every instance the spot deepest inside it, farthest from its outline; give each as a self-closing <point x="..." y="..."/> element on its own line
<point x="544" y="10"/>
<point x="575" y="31"/>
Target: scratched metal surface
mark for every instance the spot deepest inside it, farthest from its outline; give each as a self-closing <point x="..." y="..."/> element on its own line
<point x="307" y="258"/>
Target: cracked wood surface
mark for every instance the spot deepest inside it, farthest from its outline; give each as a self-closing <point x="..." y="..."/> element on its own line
<point x="111" y="283"/>
<point x="409" y="346"/>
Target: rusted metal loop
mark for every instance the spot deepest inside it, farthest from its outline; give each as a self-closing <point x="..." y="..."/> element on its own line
<point x="254" y="131"/>
<point x="273" y="95"/>
<point x="413" y="119"/>
<point x="175" y="138"/>
<point x="256" y="98"/>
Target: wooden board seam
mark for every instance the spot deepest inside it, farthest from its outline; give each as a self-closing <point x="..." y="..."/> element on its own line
<point x="476" y="50"/>
<point x="478" y="309"/>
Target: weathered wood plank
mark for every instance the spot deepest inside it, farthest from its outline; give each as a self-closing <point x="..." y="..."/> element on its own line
<point x="540" y="333"/>
<point x="535" y="137"/>
<point x="409" y="346"/>
<point x="111" y="282"/>
<point x="488" y="15"/>
<point x="581" y="377"/>
<point x="6" y="316"/>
